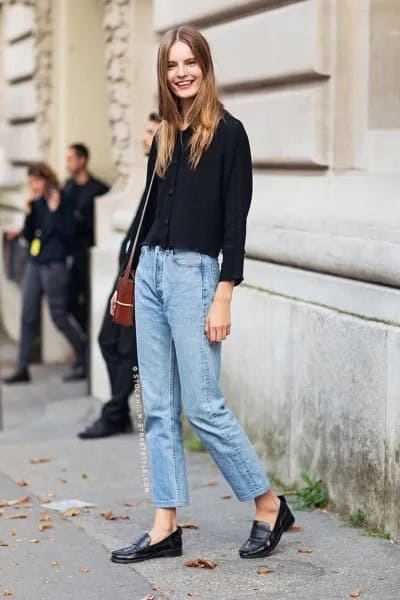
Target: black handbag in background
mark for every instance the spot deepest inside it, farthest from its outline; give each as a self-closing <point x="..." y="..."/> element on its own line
<point x="15" y="256"/>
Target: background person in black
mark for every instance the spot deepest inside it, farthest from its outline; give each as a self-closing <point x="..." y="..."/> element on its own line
<point x="80" y="190"/>
<point x="118" y="344"/>
<point x="48" y="227"/>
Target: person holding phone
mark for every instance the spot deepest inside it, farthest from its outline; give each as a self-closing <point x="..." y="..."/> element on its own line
<point x="48" y="227"/>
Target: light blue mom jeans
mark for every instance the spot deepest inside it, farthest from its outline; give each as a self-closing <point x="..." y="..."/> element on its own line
<point x="174" y="289"/>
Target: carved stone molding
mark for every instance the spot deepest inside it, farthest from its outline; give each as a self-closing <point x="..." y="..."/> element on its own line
<point x="116" y="19"/>
<point x="43" y="65"/>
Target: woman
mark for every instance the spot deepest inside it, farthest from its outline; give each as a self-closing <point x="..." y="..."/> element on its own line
<point x="48" y="228"/>
<point x="198" y="205"/>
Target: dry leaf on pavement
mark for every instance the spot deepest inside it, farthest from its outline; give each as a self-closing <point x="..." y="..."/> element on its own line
<point x="17" y="516"/>
<point x="36" y="461"/>
<point x="7" y="593"/>
<point x="304" y="550"/>
<point x="188" y="525"/>
<point x="84" y="570"/>
<point x="263" y="570"/>
<point x="108" y="515"/>
<point x="211" y="482"/>
<point x="72" y="512"/>
<point x="45" y="526"/>
<point x="202" y="563"/>
<point x="295" y="528"/>
<point x="46" y="517"/>
<point x="22" y="483"/>
<point x="355" y="593"/>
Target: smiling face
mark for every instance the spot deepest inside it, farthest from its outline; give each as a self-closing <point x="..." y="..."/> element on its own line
<point x="184" y="72"/>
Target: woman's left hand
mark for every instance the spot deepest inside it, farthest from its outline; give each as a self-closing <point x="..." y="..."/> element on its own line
<point x="218" y="320"/>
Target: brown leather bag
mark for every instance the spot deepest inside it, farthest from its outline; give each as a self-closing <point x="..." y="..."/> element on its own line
<point x="124" y="311"/>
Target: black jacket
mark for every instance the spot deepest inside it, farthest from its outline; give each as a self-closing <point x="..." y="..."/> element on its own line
<point x="81" y="201"/>
<point x="203" y="209"/>
<point x="54" y="229"/>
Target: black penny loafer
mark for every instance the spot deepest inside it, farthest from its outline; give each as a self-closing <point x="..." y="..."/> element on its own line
<point x="263" y="539"/>
<point x="141" y="549"/>
<point x="19" y="376"/>
<point x="101" y="429"/>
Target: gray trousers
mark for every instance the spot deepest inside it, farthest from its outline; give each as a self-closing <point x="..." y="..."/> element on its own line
<point x="51" y="279"/>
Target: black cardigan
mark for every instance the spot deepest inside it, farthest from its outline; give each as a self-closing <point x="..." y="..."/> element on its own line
<point x="55" y="230"/>
<point x="203" y="209"/>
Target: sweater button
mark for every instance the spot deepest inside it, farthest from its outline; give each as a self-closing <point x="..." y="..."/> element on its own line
<point x="171" y="191"/>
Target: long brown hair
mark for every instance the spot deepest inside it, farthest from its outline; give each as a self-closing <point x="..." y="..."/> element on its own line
<point x="206" y="110"/>
<point x="44" y="171"/>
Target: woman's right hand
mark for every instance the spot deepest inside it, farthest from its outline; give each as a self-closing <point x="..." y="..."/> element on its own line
<point x="113" y="303"/>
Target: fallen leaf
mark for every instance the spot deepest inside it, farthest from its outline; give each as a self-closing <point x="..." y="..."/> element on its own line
<point x="46" y="517"/>
<point x="226" y="497"/>
<point x="355" y="593"/>
<point x="45" y="500"/>
<point x="51" y="494"/>
<point x="211" y="482"/>
<point x="13" y="531"/>
<point x="54" y="563"/>
<point x="36" y="461"/>
<point x="130" y="503"/>
<point x="295" y="528"/>
<point x="1" y="512"/>
<point x="3" y="543"/>
<point x="64" y="480"/>
<point x="7" y="593"/>
<point x="72" y="512"/>
<point x="22" y="483"/>
<point x="189" y="525"/>
<point x="16" y="502"/>
<point x="34" y="541"/>
<point x="17" y="516"/>
<point x="45" y="526"/>
<point x="108" y="515"/>
<point x="84" y="570"/>
<point x="304" y="550"/>
<point x="23" y="500"/>
<point x="202" y="563"/>
<point x="264" y="570"/>
<point x="149" y="597"/>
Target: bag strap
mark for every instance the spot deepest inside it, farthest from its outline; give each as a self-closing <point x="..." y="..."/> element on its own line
<point x="132" y="252"/>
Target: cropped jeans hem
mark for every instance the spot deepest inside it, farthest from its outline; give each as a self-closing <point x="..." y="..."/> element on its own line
<point x="170" y="504"/>
<point x="255" y="494"/>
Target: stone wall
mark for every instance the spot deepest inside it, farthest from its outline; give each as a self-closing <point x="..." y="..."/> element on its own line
<point x="319" y="306"/>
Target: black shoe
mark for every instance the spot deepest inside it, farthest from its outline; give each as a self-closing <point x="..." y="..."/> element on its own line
<point x="77" y="373"/>
<point x="263" y="539"/>
<point x="100" y="429"/>
<point x="141" y="549"/>
<point x="20" y="376"/>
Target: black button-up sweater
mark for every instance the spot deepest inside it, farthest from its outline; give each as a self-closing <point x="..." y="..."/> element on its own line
<point x="203" y="209"/>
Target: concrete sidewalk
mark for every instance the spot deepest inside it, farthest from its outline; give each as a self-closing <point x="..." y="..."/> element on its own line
<point x="108" y="473"/>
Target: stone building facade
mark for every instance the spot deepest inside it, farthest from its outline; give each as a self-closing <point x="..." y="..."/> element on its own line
<point x="315" y="83"/>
